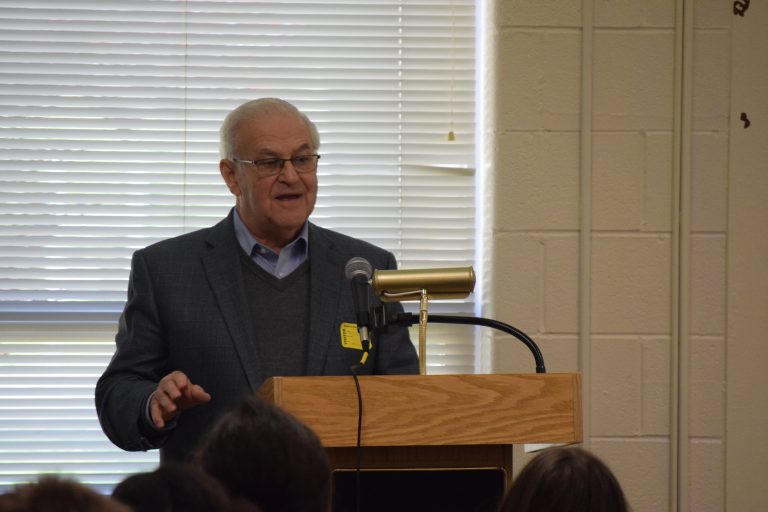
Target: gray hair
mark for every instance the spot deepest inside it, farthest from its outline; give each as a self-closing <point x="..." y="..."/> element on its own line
<point x="231" y="125"/>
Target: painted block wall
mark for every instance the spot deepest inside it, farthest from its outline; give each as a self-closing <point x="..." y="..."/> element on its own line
<point x="644" y="177"/>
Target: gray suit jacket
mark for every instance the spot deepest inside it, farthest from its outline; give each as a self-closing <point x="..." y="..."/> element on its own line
<point x="187" y="310"/>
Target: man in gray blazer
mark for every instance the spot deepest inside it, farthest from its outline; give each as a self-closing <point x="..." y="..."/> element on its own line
<point x="212" y="314"/>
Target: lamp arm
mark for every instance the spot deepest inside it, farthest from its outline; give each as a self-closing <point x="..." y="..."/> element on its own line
<point x="409" y="319"/>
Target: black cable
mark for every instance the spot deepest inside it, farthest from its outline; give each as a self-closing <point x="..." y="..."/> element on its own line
<point x="408" y="319"/>
<point x="358" y="448"/>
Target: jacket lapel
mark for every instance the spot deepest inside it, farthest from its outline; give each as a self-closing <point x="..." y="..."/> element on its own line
<point x="223" y="269"/>
<point x="326" y="276"/>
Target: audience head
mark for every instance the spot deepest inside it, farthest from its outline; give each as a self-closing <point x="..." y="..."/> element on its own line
<point x="174" y="488"/>
<point x="266" y="455"/>
<point x="565" y="480"/>
<point x="56" y="494"/>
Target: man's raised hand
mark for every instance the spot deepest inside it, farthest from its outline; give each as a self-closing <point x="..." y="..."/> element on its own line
<point x="174" y="393"/>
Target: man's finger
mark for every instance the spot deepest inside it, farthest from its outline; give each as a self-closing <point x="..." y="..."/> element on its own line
<point x="198" y="394"/>
<point x="175" y="393"/>
<point x="156" y="413"/>
<point x="166" y="404"/>
<point x="178" y="379"/>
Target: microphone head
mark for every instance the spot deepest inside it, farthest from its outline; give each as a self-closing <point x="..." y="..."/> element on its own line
<point x="358" y="266"/>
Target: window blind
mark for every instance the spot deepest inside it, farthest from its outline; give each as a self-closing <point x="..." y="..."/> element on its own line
<point x="109" y="116"/>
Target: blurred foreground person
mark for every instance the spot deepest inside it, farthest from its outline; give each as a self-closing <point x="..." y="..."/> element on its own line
<point x="55" y="494"/>
<point x="264" y="454"/>
<point x="177" y="488"/>
<point x="565" y="480"/>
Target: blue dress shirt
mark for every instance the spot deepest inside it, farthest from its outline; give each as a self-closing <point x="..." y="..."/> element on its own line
<point x="279" y="265"/>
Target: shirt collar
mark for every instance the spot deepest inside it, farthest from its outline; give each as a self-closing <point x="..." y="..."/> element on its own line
<point x="249" y="243"/>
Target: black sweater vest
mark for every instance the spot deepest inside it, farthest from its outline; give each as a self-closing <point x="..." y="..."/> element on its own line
<point x="280" y="317"/>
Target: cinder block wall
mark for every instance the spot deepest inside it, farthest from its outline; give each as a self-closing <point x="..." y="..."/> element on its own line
<point x="609" y="227"/>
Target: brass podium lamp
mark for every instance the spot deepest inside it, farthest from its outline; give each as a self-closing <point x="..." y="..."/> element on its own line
<point x="422" y="285"/>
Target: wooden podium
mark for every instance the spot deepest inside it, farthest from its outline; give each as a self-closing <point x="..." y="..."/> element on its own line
<point x="433" y="422"/>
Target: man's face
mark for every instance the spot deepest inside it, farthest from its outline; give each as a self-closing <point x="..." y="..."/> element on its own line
<point x="275" y="207"/>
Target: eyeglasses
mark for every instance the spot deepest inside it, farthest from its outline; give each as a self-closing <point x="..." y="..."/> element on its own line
<point x="274" y="166"/>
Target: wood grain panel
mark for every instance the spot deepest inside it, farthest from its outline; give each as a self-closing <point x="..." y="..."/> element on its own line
<point x="423" y="410"/>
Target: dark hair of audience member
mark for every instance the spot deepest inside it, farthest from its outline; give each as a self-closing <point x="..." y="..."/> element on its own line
<point x="266" y="455"/>
<point x="51" y="493"/>
<point x="174" y="488"/>
<point x="565" y="480"/>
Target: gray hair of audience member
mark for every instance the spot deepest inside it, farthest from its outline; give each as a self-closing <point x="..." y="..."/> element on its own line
<point x="175" y="488"/>
<point x="565" y="479"/>
<point x="228" y="133"/>
<point x="266" y="455"/>
<point x="52" y="493"/>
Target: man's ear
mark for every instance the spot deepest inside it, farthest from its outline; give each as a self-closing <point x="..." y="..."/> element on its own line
<point x="227" y="170"/>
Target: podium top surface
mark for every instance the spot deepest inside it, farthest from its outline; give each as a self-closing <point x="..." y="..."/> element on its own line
<point x="422" y="410"/>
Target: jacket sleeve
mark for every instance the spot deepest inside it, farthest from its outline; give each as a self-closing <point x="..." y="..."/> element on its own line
<point x="137" y="365"/>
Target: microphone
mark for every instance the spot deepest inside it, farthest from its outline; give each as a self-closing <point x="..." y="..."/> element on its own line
<point x="407" y="285"/>
<point x="358" y="271"/>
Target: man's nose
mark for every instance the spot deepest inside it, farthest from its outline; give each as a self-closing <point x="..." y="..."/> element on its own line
<point x="288" y="173"/>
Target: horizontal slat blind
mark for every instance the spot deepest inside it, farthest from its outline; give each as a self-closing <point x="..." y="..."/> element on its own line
<point x="48" y="422"/>
<point x="109" y="113"/>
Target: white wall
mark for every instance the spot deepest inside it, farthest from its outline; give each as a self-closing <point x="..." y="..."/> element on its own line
<point x="612" y="237"/>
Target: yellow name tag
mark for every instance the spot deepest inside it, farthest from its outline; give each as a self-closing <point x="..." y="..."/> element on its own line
<point x="350" y="337"/>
